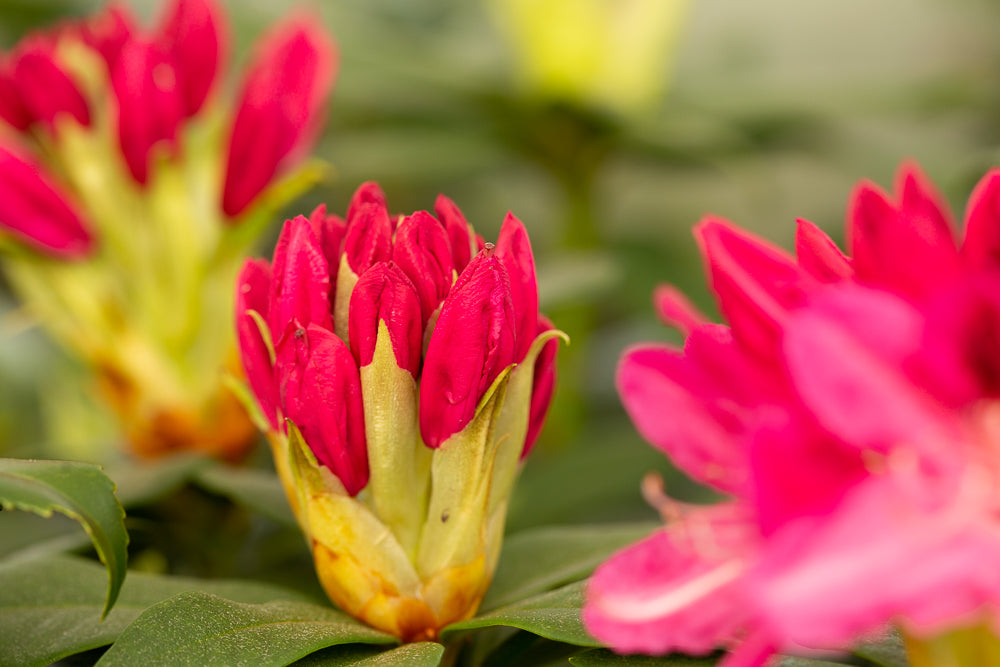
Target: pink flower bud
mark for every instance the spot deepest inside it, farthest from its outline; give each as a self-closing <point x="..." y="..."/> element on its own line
<point x="385" y="294"/>
<point x="280" y="108"/>
<point x="253" y="288"/>
<point x="543" y="386"/>
<point x="36" y="209"/>
<point x="422" y="251"/>
<point x="46" y="90"/>
<point x="12" y="106"/>
<point x="459" y="233"/>
<point x="149" y="102"/>
<point x="473" y="341"/>
<point x="367" y="193"/>
<point x="819" y="255"/>
<point x="108" y="31"/>
<point x="301" y="287"/>
<point x="330" y="229"/>
<point x="514" y="250"/>
<point x="320" y="391"/>
<point x="369" y="237"/>
<point x="194" y="34"/>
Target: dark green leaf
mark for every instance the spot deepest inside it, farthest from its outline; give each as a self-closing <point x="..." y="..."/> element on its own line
<point x="538" y="560"/>
<point x="201" y="629"/>
<point x="258" y="490"/>
<point x="421" y="654"/>
<point x="605" y="658"/>
<point x="51" y="608"/>
<point x="889" y="652"/>
<point x="80" y="491"/>
<point x="554" y="615"/>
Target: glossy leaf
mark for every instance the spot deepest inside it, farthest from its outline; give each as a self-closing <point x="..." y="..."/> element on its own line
<point x="80" y="491"/>
<point x="538" y="560"/>
<point x="255" y="489"/>
<point x="554" y="615"/>
<point x="202" y="629"/>
<point x="420" y="654"/>
<point x="51" y="608"/>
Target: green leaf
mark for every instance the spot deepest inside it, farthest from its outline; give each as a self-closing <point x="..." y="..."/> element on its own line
<point x="554" y="615"/>
<point x="258" y="490"/>
<point x="605" y="658"/>
<point x="201" y="629"/>
<point x="51" y="608"/>
<point x="889" y="652"/>
<point x="538" y="560"/>
<point x="80" y="491"/>
<point x="421" y="654"/>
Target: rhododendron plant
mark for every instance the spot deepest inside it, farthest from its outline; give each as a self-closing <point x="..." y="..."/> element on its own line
<point x="402" y="372"/>
<point x="130" y="187"/>
<point x="849" y="412"/>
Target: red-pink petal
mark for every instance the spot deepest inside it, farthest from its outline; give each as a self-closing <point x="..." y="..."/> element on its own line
<point x="37" y="210"/>
<point x="46" y="90"/>
<point x="149" y="102"/>
<point x="677" y="590"/>
<point x="473" y="341"/>
<point x="368" y="192"/>
<point x="320" y="391"/>
<point x="385" y="294"/>
<point x="369" y="237"/>
<point x="195" y="35"/>
<point x="676" y="310"/>
<point x="301" y="287"/>
<point x="459" y="232"/>
<point x="514" y="251"/>
<point x="280" y="108"/>
<point x="754" y="282"/>
<point x="422" y="251"/>
<point x="819" y="255"/>
<point x="107" y="31"/>
<point x="981" y="248"/>
<point x="13" y="108"/>
<point x="253" y="290"/>
<point x="543" y="386"/>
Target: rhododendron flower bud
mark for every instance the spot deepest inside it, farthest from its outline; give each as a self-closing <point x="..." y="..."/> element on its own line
<point x="398" y="462"/>
<point x="115" y="152"/>
<point x="850" y="414"/>
<point x="37" y="210"/>
<point x="280" y="109"/>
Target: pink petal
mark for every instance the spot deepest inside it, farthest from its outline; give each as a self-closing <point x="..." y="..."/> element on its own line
<point x="981" y="248"/>
<point x="301" y="290"/>
<point x="367" y="193"/>
<point x="459" y="232"/>
<point x="675" y="310"/>
<point x="819" y="255"/>
<point x="385" y="294"/>
<point x="320" y="391"/>
<point x="46" y="89"/>
<point x="107" y="31"/>
<point x="149" y="102"/>
<point x="678" y="589"/>
<point x="754" y="282"/>
<point x="514" y="251"/>
<point x="473" y="341"/>
<point x="280" y="108"/>
<point x="38" y="211"/>
<point x="369" y="237"/>
<point x="253" y="291"/>
<point x="195" y="34"/>
<point x="422" y="251"/>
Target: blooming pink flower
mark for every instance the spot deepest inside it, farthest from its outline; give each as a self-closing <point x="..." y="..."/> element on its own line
<point x="850" y="412"/>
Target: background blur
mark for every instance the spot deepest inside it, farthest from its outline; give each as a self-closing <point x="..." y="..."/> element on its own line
<point x="759" y="111"/>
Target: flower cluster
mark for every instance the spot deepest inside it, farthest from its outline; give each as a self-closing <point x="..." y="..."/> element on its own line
<point x="849" y="412"/>
<point x="129" y="188"/>
<point x="401" y="370"/>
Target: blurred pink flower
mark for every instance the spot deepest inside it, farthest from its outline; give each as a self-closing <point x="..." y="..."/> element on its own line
<point x="850" y="411"/>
